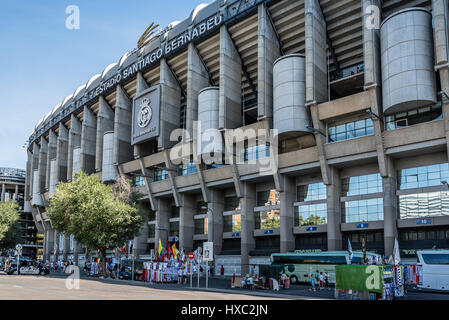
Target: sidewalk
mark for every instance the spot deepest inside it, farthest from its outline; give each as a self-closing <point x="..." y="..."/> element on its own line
<point x="218" y="284"/>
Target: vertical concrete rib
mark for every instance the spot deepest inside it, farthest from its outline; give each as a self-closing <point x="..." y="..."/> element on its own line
<point x="197" y="79"/>
<point x="74" y="142"/>
<point x="186" y="223"/>
<point x="51" y="155"/>
<point x="333" y="190"/>
<point x="288" y="197"/>
<point x="141" y="85"/>
<point x="230" y="105"/>
<point x="215" y="219"/>
<point x="105" y="123"/>
<point x="170" y="106"/>
<point x="390" y="207"/>
<point x="140" y="241"/>
<point x="62" y="149"/>
<point x="123" y="151"/>
<point x="162" y="225"/>
<point x="268" y="51"/>
<point x="88" y="141"/>
<point x="248" y="242"/>
<point x="42" y="166"/>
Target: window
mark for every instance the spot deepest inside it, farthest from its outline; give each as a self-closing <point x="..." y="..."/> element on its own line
<point x="420" y="205"/>
<point x="436" y="258"/>
<point x="425" y="176"/>
<point x="311" y="215"/>
<point x="371" y="183"/>
<point x="256" y="152"/>
<point x="363" y="210"/>
<point x="174" y="229"/>
<point x="160" y="174"/>
<point x="174" y="212"/>
<point x="351" y="130"/>
<point x="200" y="226"/>
<point x="268" y="198"/>
<point x="270" y="219"/>
<point x="408" y="118"/>
<point x="232" y="223"/>
<point x="151" y="231"/>
<point x="185" y="169"/>
<point x="311" y="192"/>
<point x="232" y="204"/>
<point x="138" y="181"/>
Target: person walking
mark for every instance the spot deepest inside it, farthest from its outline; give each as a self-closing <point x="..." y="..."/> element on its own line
<point x="222" y="271"/>
<point x="326" y="280"/>
<point x="312" y="282"/>
<point x="321" y="277"/>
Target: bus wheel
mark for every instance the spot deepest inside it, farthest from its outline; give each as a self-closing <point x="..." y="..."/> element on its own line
<point x="294" y="280"/>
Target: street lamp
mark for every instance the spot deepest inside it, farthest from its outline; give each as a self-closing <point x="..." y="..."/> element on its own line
<point x="316" y="131"/>
<point x="372" y="114"/>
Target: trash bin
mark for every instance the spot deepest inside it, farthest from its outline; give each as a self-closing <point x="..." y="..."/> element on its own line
<point x="287" y="283"/>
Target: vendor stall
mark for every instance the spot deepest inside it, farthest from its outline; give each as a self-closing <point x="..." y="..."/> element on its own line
<point x="369" y="282"/>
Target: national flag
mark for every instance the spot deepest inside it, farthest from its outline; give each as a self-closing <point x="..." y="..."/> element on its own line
<point x="364" y="250"/>
<point x="159" y="249"/>
<point x="175" y="252"/>
<point x="396" y="252"/>
<point x="351" y="254"/>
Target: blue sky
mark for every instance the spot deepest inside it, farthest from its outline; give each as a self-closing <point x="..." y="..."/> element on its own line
<point x="42" y="62"/>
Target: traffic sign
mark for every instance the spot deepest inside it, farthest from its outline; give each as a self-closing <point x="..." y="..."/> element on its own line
<point x="208" y="249"/>
<point x="190" y="255"/>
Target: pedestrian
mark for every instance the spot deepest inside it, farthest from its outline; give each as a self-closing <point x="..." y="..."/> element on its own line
<point x="321" y="277"/>
<point x="326" y="280"/>
<point x="222" y="270"/>
<point x="312" y="282"/>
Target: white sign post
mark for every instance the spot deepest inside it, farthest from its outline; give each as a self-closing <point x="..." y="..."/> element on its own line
<point x="19" y="252"/>
<point x="208" y="255"/>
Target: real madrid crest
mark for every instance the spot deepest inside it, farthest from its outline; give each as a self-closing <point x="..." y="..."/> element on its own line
<point x="145" y="113"/>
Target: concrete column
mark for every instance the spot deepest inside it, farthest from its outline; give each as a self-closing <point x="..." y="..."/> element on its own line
<point x="27" y="204"/>
<point x="215" y="219"/>
<point x="34" y="165"/>
<point x="230" y="104"/>
<point x="197" y="79"/>
<point x="141" y="85"/>
<point x="389" y="184"/>
<point x="248" y="243"/>
<point x="105" y="123"/>
<point x="51" y="155"/>
<point x="316" y="53"/>
<point x="88" y="141"/>
<point x="288" y="197"/>
<point x="49" y="243"/>
<point x="65" y="247"/>
<point x="62" y="153"/>
<point x="170" y="106"/>
<point x="162" y="224"/>
<point x="16" y="192"/>
<point x="123" y="151"/>
<point x="140" y="241"/>
<point x="186" y="223"/>
<point x="268" y="51"/>
<point x="42" y="165"/>
<point x="371" y="44"/>
<point x="334" y="236"/>
<point x="74" y="141"/>
<point x="3" y="192"/>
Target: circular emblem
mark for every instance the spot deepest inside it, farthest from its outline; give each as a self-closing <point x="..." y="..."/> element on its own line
<point x="145" y="113"/>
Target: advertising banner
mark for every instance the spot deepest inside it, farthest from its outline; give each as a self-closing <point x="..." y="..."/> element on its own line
<point x="359" y="277"/>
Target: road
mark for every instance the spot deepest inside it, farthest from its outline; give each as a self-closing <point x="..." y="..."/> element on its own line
<point x="28" y="287"/>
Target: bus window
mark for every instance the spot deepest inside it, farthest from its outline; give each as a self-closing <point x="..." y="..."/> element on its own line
<point x="436" y="258"/>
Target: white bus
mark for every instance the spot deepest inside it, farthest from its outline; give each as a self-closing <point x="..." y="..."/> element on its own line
<point x="299" y="266"/>
<point x="435" y="269"/>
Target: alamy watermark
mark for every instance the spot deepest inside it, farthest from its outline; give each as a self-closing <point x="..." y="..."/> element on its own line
<point x="72" y="21"/>
<point x="73" y="280"/>
<point x="372" y="17"/>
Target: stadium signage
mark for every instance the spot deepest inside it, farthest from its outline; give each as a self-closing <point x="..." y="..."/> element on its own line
<point x="166" y="48"/>
<point x="146" y="111"/>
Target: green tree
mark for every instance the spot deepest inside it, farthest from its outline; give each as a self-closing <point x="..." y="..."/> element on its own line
<point x="10" y="233"/>
<point x="99" y="216"/>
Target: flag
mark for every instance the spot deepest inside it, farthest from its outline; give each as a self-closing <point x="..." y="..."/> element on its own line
<point x="396" y="253"/>
<point x="159" y="249"/>
<point x="351" y="255"/>
<point x="168" y="252"/>
<point x="364" y="250"/>
<point x="175" y="252"/>
<point x="390" y="259"/>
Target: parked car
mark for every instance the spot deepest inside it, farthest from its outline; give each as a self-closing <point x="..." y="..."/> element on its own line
<point x="26" y="267"/>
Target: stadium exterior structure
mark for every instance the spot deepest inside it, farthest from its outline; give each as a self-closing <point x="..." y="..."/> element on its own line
<point x="355" y="90"/>
<point x="12" y="184"/>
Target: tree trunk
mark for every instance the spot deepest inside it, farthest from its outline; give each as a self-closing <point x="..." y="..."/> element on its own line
<point x="103" y="262"/>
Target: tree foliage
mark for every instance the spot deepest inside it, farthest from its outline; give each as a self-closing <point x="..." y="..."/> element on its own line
<point x="10" y="233"/>
<point x="99" y="216"/>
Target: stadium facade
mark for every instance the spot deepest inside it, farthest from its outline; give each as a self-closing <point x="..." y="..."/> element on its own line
<point x="355" y="90"/>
